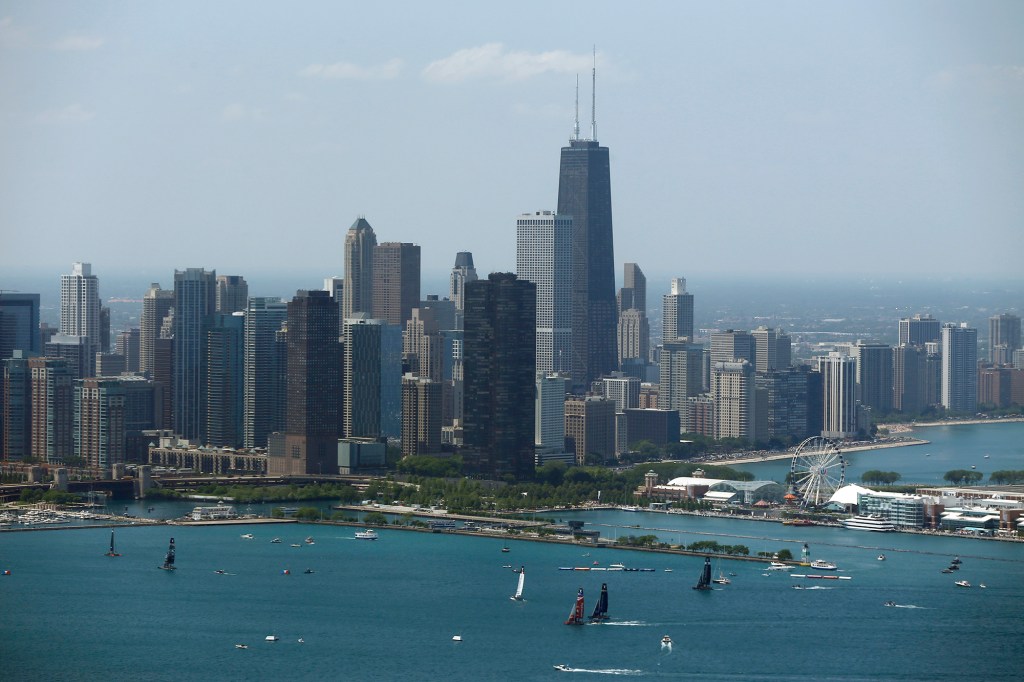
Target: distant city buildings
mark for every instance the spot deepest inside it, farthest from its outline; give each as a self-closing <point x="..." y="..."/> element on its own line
<point x="959" y="368"/>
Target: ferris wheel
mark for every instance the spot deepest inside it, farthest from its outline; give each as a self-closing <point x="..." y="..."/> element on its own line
<point x="817" y="471"/>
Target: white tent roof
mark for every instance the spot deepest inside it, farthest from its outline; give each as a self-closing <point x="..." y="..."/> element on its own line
<point x="848" y="494"/>
<point x="684" y="481"/>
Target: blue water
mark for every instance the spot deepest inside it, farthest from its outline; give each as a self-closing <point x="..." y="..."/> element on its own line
<point x="949" y="447"/>
<point x="387" y="610"/>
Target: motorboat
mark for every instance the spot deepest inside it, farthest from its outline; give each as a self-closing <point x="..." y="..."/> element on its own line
<point x="271" y="638"/>
<point x="779" y="566"/>
<point x="308" y="571"/>
<point x="889" y="603"/>
<point x="309" y="541"/>
<point x="275" y="541"/>
<point x="982" y="585"/>
<point x="563" y="667"/>
<point x="247" y="536"/>
<point x="666" y="641"/>
<point x="368" y="534"/>
<point x="220" y="571"/>
<point x="241" y="646"/>
<point x="881" y="557"/>
<point x="962" y="583"/>
<point x="956" y="560"/>
<point x="456" y="638"/>
<point x="821" y="565"/>
<point x="947" y="570"/>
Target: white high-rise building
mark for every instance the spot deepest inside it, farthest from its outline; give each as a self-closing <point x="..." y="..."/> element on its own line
<point x="839" y="395"/>
<point x="544" y="257"/>
<point x="772" y="348"/>
<point x="959" y="368"/>
<point x="732" y="389"/>
<point x="624" y="390"/>
<point x="80" y="309"/>
<point x="549" y="414"/>
<point x="677" y="312"/>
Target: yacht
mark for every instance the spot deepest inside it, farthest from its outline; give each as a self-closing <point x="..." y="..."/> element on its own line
<point x="368" y="534"/>
<point x="962" y="583"/>
<point x="871" y="522"/>
<point x="823" y="565"/>
<point x="779" y="566"/>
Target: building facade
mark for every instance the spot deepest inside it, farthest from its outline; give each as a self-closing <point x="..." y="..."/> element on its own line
<point x="360" y="241"/>
<point x="396" y="281"/>
<point x="959" y="368"/>
<point x="544" y="257"/>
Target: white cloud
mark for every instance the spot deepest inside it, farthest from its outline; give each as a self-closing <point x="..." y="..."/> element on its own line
<point x="78" y="43"/>
<point x="73" y="113"/>
<point x="493" y="60"/>
<point x="239" y="112"/>
<point x="11" y="35"/>
<point x="349" y="71"/>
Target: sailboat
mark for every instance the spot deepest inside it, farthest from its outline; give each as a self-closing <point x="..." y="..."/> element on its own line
<point x="576" y="614"/>
<point x="169" y="559"/>
<point x="721" y="579"/>
<point x="601" y="610"/>
<point x="112" y="552"/>
<point x="518" y="596"/>
<point x="705" y="577"/>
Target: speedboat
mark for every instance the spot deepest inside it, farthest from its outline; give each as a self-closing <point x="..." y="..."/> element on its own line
<point x="956" y="560"/>
<point x="779" y="566"/>
<point x="982" y="585"/>
<point x="456" y="638"/>
<point x="276" y="541"/>
<point x="890" y="603"/>
<point x="666" y="641"/>
<point x="309" y="541"/>
<point x="721" y="580"/>
<point x="881" y="557"/>
<point x="247" y="536"/>
<point x="962" y="583"/>
<point x="947" y="570"/>
<point x="563" y="667"/>
<point x="820" y="565"/>
<point x="241" y="646"/>
<point x="220" y="571"/>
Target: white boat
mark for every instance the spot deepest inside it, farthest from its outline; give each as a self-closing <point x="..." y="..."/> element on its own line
<point x="309" y="541"/>
<point x="871" y="522"/>
<point x="271" y="638"/>
<point x="822" y="565"/>
<point x="962" y="583"/>
<point x="518" y="596"/>
<point x="721" y="579"/>
<point x="456" y="638"/>
<point x="276" y="541"/>
<point x="241" y="646"/>
<point x="666" y="641"/>
<point x="779" y="566"/>
<point x="563" y="667"/>
<point x="881" y="557"/>
<point x="368" y="534"/>
<point x="616" y="567"/>
<point x="247" y="536"/>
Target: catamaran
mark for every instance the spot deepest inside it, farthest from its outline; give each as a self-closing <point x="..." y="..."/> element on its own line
<point x="705" y="576"/>
<point x="601" y="610"/>
<point x="112" y="552"/>
<point x="169" y="559"/>
<point x="518" y="596"/>
<point x="576" y="614"/>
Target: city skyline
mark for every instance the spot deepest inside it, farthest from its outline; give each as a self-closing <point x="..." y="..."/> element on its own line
<point x="776" y="127"/>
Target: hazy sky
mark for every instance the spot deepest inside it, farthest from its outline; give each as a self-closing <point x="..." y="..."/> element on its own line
<point x="760" y="137"/>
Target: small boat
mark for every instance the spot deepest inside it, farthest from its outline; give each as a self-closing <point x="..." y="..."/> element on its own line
<point x="779" y="566"/>
<point x="271" y="638"/>
<point x="301" y="641"/>
<point x="668" y="570"/>
<point x="112" y="552"/>
<point x="576" y="613"/>
<point x="666" y="641"/>
<point x="973" y="466"/>
<point x="889" y="603"/>
<point x="247" y="536"/>
<point x="275" y="541"/>
<point x="962" y="583"/>
<point x="308" y="571"/>
<point x="956" y="560"/>
<point x="241" y="646"/>
<point x="982" y="585"/>
<point x="563" y="667"/>
<point x="881" y="557"/>
<point x="518" y="596"/>
<point x="601" y="610"/>
<point x="220" y="571"/>
<point x="721" y="580"/>
<point x="947" y="570"/>
<point x="296" y="545"/>
<point x="309" y="541"/>
<point x="169" y="558"/>
<point x="821" y="565"/>
<point x="986" y="456"/>
<point x="456" y="638"/>
<point x="704" y="583"/>
<point x="616" y="567"/>
<point x="368" y="534"/>
<point x="505" y="548"/>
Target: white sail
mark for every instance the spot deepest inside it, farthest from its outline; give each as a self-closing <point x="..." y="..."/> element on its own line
<point x="519" y="589"/>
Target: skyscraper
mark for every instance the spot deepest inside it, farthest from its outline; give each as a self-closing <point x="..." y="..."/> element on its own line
<point x="874" y="375"/>
<point x="310" y="441"/>
<point x="225" y="381"/>
<point x="16" y="407"/>
<point x="499" y="374"/>
<point x="421" y="416"/>
<point x="732" y="346"/>
<point x="396" y="281"/>
<point x="733" y="391"/>
<point x="549" y="413"/>
<point x="232" y="294"/>
<point x="677" y="312"/>
<point x="585" y="194"/>
<point x="633" y="294"/>
<point x="358" y="290"/>
<point x="634" y="333"/>
<point x="918" y="330"/>
<point x="682" y="377"/>
<point x="462" y="272"/>
<point x="53" y="409"/>
<point x="156" y="303"/>
<point x="959" y="368"/>
<point x="544" y="257"/>
<point x="362" y="378"/>
<point x="910" y="380"/>
<point x="839" y="395"/>
<point x="590" y="428"/>
<point x="80" y="309"/>
<point x="1003" y="338"/>
<point x="195" y="299"/>
<point x="264" y="373"/>
<point x="99" y="426"/>
<point x="19" y="323"/>
<point x="772" y="348"/>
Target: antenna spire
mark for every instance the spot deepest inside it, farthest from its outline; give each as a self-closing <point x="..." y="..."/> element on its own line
<point x="576" y="128"/>
<point x="593" y="98"/>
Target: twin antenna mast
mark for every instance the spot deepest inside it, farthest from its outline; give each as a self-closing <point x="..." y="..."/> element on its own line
<point x="593" y="103"/>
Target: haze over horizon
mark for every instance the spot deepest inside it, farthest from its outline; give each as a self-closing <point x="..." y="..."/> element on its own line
<point x="785" y="139"/>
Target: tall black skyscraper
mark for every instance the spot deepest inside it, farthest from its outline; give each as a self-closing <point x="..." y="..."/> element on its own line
<point x="585" y="193"/>
<point x="499" y="373"/>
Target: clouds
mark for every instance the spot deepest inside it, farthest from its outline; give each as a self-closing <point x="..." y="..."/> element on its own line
<point x="77" y="42"/>
<point x="349" y="71"/>
<point x="73" y="113"/>
<point x="237" y="111"/>
<point x="494" y="61"/>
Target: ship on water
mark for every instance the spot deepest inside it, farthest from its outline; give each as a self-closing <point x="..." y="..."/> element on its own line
<point x="872" y="522"/>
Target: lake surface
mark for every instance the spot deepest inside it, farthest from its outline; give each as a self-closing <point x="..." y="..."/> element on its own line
<point x="387" y="610"/>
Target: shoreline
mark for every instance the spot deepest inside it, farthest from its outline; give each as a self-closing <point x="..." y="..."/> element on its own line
<point x="884" y="445"/>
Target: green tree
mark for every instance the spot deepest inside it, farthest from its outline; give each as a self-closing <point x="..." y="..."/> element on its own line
<point x="784" y="555"/>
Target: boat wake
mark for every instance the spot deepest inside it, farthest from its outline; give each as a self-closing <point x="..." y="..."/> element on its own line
<point x="908" y="606"/>
<point x="605" y="671"/>
<point x="628" y="623"/>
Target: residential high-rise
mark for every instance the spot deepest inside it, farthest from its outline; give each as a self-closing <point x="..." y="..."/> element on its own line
<point x="1003" y="338"/>
<point x="874" y="375"/>
<point x="80" y="309"/>
<point x="544" y="257"/>
<point x="362" y="378"/>
<point x="584" y="192"/>
<point x="156" y="303"/>
<point x="590" y="429"/>
<point x="733" y="392"/>
<point x="772" y="348"/>
<point x="839" y="395"/>
<point x="959" y="368"/>
<point x="53" y="410"/>
<point x="423" y="345"/>
<point x="918" y="330"/>
<point x="634" y="332"/>
<point x="19" y="324"/>
<point x="358" y="290"/>
<point x="225" y="380"/>
<point x="232" y="294"/>
<point x="335" y="286"/>
<point x="195" y="299"/>
<point x="99" y="423"/>
<point x="126" y="343"/>
<point x="396" y="281"/>
<point x="421" y="416"/>
<point x="310" y="440"/>
<point x="264" y="389"/>
<point x="77" y="351"/>
<point x="910" y="380"/>
<point x="732" y="346"/>
<point x="677" y="312"/>
<point x="624" y="391"/>
<point x="499" y="368"/>
<point x="15" y="408"/>
<point x="682" y="377"/>
<point x="549" y="412"/>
